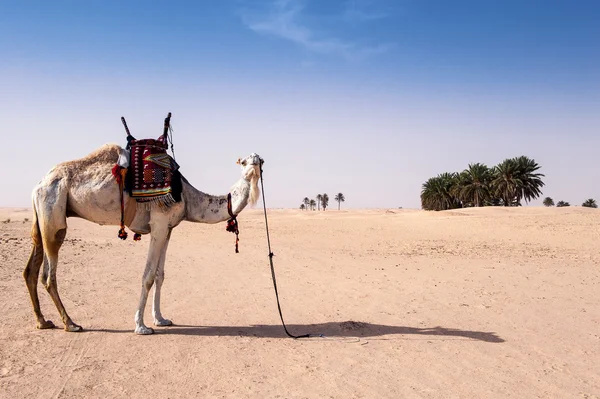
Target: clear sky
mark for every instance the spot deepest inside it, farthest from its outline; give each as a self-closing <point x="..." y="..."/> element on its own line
<point x="364" y="97"/>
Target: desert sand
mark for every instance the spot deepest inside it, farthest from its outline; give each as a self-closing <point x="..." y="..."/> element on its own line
<point x="477" y="303"/>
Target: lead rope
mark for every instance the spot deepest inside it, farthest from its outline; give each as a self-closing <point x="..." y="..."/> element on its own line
<point x="273" y="268"/>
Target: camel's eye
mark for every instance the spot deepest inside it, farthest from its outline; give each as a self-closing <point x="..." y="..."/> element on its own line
<point x="244" y="162"/>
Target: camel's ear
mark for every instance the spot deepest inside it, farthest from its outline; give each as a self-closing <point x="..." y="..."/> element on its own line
<point x="239" y="161"/>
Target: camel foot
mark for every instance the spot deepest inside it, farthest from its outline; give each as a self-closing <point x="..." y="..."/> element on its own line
<point x="163" y="322"/>
<point x="143" y="330"/>
<point x="46" y="324"/>
<point x="73" y="328"/>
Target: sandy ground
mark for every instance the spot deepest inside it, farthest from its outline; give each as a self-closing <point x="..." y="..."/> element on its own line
<point x="481" y="303"/>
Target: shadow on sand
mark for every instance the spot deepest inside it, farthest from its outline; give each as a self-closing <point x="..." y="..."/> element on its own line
<point x="341" y="329"/>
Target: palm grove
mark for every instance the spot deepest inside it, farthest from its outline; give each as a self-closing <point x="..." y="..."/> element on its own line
<point x="506" y="184"/>
<point x="322" y="202"/>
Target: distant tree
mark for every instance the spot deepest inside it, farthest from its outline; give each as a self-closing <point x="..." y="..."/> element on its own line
<point x="562" y="203"/>
<point x="516" y="179"/>
<point x="312" y="204"/>
<point x="339" y="197"/>
<point x="306" y="202"/>
<point x="319" y="199"/>
<point x="302" y="207"/>
<point x="548" y="201"/>
<point x="531" y="182"/>
<point x="325" y="201"/>
<point x="472" y="186"/>
<point x="508" y="184"/>
<point x="590" y="203"/>
<point x="438" y="193"/>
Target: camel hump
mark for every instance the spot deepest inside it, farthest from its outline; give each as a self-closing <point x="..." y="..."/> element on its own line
<point x="110" y="151"/>
<point x="106" y="154"/>
<point x="102" y="158"/>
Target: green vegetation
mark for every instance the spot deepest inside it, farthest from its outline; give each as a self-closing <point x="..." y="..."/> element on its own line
<point x="548" y="201"/>
<point x="590" y="203"/>
<point x="339" y="197"/>
<point x="506" y="184"/>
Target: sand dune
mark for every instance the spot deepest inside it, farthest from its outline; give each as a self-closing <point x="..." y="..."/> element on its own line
<point x="473" y="303"/>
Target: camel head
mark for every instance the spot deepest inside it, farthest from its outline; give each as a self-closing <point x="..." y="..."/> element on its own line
<point x="251" y="168"/>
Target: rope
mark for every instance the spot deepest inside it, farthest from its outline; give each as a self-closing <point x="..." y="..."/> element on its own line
<point x="171" y="139"/>
<point x="273" y="268"/>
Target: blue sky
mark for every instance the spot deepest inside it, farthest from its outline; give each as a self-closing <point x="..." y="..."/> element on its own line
<point x="366" y="97"/>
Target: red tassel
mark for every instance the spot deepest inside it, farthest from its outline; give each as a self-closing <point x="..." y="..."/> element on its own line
<point x="116" y="171"/>
<point x="137" y="237"/>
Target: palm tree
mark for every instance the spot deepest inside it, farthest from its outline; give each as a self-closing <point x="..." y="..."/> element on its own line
<point x="531" y="182"/>
<point x="306" y="202"/>
<point x="437" y="193"/>
<point x="506" y="181"/>
<point x="302" y="207"/>
<point x="325" y="201"/>
<point x="319" y="199"/>
<point x="548" y="201"/>
<point x="339" y="198"/>
<point x="590" y="203"/>
<point x="473" y="185"/>
<point x="562" y="203"/>
<point x="312" y="204"/>
<point x="516" y="179"/>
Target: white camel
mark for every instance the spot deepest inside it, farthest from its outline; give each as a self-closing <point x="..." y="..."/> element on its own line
<point x="86" y="188"/>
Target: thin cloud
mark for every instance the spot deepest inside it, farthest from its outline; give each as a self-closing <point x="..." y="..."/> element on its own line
<point x="362" y="11"/>
<point x="283" y="20"/>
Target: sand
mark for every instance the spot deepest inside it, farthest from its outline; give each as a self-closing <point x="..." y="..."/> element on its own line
<point x="479" y="303"/>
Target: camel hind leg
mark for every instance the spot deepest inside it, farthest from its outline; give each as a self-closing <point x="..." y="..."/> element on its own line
<point x="51" y="261"/>
<point x="31" y="274"/>
<point x="50" y="202"/>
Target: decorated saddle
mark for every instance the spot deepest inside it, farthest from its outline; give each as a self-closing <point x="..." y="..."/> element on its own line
<point x="153" y="175"/>
<point x="147" y="173"/>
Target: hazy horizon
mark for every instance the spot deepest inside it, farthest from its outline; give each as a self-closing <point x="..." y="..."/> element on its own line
<point x="367" y="98"/>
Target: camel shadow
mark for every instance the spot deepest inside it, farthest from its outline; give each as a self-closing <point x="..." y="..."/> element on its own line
<point x="332" y="329"/>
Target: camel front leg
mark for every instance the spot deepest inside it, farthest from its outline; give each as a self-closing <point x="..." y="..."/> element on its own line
<point x="159" y="237"/>
<point x="159" y="320"/>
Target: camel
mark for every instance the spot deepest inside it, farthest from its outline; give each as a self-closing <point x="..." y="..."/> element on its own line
<point x="86" y="188"/>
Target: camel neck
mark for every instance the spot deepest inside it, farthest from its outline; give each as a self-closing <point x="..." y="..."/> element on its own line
<point x="205" y="208"/>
